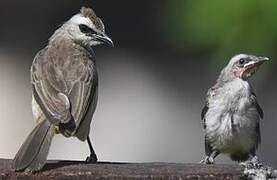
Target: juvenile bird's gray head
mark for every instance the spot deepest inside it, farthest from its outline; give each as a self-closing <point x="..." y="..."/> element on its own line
<point x="86" y="28"/>
<point x="242" y="66"/>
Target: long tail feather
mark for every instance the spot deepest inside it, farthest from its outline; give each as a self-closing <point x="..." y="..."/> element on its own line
<point x="33" y="153"/>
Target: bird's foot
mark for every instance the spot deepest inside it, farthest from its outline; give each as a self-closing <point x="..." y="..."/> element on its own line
<point x="253" y="169"/>
<point x="92" y="159"/>
<point x="253" y="163"/>
<point x="207" y="160"/>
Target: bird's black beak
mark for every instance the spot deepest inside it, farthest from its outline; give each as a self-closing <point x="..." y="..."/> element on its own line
<point x="103" y="38"/>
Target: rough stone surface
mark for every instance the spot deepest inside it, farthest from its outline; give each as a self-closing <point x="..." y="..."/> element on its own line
<point x="260" y="172"/>
<point x="118" y="171"/>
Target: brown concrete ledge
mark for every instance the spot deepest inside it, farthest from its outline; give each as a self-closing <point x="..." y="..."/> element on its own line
<point x="117" y="171"/>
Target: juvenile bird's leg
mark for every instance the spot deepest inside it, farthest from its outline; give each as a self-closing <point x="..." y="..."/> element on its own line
<point x="252" y="162"/>
<point x="209" y="159"/>
<point x="92" y="158"/>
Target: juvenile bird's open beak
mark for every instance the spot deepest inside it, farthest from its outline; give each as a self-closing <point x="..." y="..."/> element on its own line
<point x="252" y="66"/>
<point x="105" y="39"/>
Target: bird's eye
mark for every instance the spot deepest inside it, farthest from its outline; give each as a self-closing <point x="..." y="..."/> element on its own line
<point x="242" y="61"/>
<point x="85" y="29"/>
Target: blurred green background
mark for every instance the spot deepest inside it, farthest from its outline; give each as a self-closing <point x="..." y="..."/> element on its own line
<point x="223" y="27"/>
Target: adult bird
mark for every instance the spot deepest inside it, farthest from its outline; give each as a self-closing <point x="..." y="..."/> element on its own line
<point x="64" y="88"/>
<point x="232" y="114"/>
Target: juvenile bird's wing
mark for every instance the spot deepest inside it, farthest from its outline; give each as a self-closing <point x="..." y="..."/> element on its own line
<point x="203" y="114"/>
<point x="258" y="107"/>
<point x="206" y="107"/>
<point x="254" y="100"/>
<point x="208" y="148"/>
<point x="49" y="89"/>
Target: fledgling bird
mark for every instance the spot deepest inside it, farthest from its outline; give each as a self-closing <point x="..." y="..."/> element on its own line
<point x="64" y="88"/>
<point x="232" y="114"/>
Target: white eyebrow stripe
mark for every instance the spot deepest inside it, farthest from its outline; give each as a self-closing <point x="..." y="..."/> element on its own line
<point x="79" y="19"/>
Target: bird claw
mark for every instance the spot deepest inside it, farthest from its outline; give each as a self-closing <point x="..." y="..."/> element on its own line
<point x="207" y="160"/>
<point x="92" y="159"/>
<point x="252" y="164"/>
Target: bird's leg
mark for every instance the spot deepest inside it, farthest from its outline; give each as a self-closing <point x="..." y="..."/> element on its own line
<point x="209" y="159"/>
<point x="254" y="159"/>
<point x="252" y="162"/>
<point x="92" y="158"/>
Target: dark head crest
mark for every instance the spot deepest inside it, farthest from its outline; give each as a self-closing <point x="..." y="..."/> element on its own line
<point x="89" y="13"/>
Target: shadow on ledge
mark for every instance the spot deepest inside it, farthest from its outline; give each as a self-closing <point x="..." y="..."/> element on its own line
<point x="111" y="170"/>
<point x="55" y="164"/>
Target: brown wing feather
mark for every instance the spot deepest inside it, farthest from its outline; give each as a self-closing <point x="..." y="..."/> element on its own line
<point x="83" y="129"/>
<point x="80" y="98"/>
<point x="54" y="86"/>
<point x="45" y="94"/>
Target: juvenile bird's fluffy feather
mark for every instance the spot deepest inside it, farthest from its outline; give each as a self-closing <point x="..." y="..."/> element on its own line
<point x="232" y="114"/>
<point x="231" y="120"/>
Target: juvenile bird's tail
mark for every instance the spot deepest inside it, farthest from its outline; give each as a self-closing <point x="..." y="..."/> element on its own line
<point x="33" y="152"/>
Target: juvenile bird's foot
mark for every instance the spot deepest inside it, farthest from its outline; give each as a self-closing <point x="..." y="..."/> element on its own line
<point x="207" y="160"/>
<point x="253" y="163"/>
<point x="253" y="169"/>
<point x="92" y="159"/>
